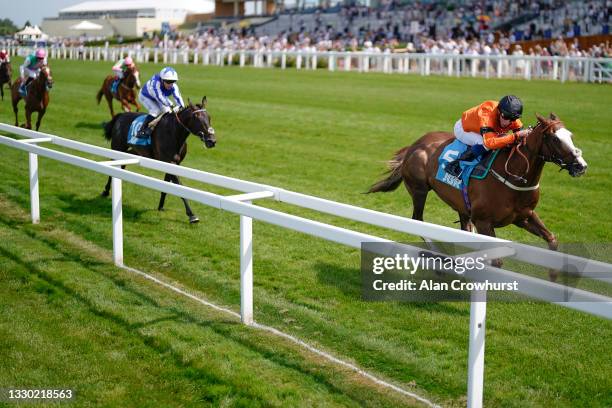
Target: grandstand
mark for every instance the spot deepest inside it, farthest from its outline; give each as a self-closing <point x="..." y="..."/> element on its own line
<point x="131" y="18"/>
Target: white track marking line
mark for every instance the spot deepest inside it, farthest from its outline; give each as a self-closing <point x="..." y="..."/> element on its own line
<point x="289" y="337"/>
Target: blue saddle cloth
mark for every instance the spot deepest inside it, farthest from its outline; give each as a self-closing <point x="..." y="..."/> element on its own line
<point x="450" y="153"/>
<point x="134" y="129"/>
<point x="114" y="86"/>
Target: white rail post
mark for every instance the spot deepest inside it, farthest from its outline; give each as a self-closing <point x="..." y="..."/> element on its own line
<point x="478" y="312"/>
<point x="117" y="222"/>
<point x="246" y="269"/>
<point x="34" y="196"/>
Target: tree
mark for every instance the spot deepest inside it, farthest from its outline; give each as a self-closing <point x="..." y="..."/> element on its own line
<point x="7" y="27"/>
<point x="27" y="23"/>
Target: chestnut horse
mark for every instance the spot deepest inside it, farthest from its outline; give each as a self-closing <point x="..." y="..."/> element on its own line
<point x="125" y="94"/>
<point x="499" y="199"/>
<point x="37" y="98"/>
<point x="5" y="76"/>
<point x="168" y="141"/>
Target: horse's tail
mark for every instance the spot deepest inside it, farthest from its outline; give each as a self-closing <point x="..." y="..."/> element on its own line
<point x="394" y="179"/>
<point x="108" y="128"/>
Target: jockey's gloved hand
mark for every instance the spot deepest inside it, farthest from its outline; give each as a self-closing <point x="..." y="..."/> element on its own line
<point x="521" y="136"/>
<point x="167" y="109"/>
<point x="176" y="108"/>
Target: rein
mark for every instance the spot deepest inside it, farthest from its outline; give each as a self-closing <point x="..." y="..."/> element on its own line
<point x="517" y="149"/>
<point x="182" y="124"/>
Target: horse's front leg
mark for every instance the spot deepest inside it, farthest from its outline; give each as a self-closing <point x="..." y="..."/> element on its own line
<point x="486" y="228"/>
<point x="126" y="105"/>
<point x="535" y="225"/>
<point x="39" y="119"/>
<point x="192" y="218"/>
<point x="28" y="115"/>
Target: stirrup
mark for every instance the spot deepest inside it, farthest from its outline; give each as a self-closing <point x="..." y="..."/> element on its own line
<point x="454" y="168"/>
<point x="144" y="132"/>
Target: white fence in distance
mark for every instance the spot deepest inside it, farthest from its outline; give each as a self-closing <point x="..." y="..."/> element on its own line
<point x="584" y="69"/>
<point x="242" y="204"/>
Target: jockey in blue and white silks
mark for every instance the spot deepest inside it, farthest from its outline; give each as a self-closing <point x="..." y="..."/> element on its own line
<point x="155" y="94"/>
<point x="155" y="97"/>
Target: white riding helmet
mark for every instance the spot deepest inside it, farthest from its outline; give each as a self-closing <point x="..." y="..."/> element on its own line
<point x="168" y="74"/>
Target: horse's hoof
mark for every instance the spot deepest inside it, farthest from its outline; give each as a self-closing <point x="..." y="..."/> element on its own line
<point x="497" y="263"/>
<point x="105" y="194"/>
<point x="193" y="219"/>
<point x="161" y="209"/>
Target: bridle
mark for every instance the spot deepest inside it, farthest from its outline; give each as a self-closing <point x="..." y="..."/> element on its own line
<point x="211" y="131"/>
<point x="552" y="158"/>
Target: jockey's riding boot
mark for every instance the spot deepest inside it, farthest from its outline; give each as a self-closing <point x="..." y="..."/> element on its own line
<point x="23" y="89"/>
<point x="146" y="130"/>
<point x="454" y="168"/>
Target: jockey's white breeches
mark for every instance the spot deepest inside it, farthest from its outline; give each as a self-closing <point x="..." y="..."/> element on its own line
<point x="28" y="73"/>
<point x="118" y="72"/>
<point x="469" y="138"/>
<point x="154" y="108"/>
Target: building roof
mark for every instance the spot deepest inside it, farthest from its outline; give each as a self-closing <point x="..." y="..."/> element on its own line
<point x="192" y="6"/>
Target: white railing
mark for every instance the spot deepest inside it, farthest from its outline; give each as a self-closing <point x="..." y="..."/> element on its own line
<point x="242" y="204"/>
<point x="483" y="66"/>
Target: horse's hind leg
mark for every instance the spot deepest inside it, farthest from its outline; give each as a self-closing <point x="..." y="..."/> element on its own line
<point x="109" y="100"/>
<point x="16" y="111"/>
<point x="106" y="191"/>
<point x="535" y="225"/>
<point x="162" y="197"/>
<point x="419" y="196"/>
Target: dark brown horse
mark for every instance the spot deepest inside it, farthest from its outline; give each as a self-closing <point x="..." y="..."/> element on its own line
<point x="495" y="203"/>
<point x="6" y="72"/>
<point x="125" y="94"/>
<point x="37" y="98"/>
<point x="168" y="142"/>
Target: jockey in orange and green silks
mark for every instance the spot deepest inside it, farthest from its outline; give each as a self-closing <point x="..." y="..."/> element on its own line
<point x="491" y="125"/>
<point x="119" y="69"/>
<point x="31" y="67"/>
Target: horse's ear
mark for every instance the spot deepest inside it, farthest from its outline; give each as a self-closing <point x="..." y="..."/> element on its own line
<point x="540" y="118"/>
<point x="189" y="102"/>
<point x="553" y="116"/>
<point x="204" y="101"/>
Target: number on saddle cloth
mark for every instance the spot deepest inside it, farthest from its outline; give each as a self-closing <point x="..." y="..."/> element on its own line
<point x="471" y="169"/>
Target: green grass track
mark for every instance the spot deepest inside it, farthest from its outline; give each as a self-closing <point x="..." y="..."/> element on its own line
<point x="68" y="318"/>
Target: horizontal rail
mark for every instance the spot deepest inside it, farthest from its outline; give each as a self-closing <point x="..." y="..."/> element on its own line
<point x="537" y="288"/>
<point x="525" y="253"/>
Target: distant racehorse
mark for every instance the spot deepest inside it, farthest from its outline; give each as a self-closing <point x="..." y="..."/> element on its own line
<point x="125" y="94"/>
<point x="37" y="98"/>
<point x="493" y="204"/>
<point x="168" y="142"/>
<point x="5" y="76"/>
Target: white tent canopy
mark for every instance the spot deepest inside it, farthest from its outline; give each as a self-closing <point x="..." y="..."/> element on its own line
<point x="29" y="30"/>
<point x="31" y="33"/>
<point x="86" y="25"/>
